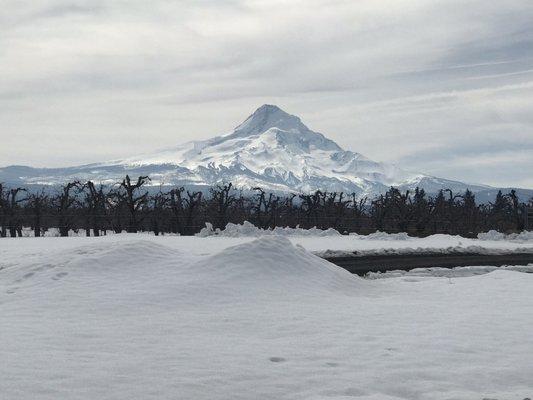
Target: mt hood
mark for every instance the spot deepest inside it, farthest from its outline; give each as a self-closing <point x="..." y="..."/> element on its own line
<point x="270" y="149"/>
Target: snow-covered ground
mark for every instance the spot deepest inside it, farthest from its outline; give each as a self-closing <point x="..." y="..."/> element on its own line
<point x="256" y="317"/>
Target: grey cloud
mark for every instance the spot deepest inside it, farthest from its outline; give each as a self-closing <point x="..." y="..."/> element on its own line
<point x="70" y="8"/>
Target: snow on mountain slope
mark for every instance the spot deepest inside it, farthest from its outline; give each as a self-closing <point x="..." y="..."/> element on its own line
<point x="271" y="149"/>
<point x="277" y="148"/>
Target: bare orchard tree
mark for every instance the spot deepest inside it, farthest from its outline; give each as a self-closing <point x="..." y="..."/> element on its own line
<point x="402" y="203"/>
<point x="184" y="209"/>
<point x="467" y="214"/>
<point x="157" y="205"/>
<point x="114" y="207"/>
<point x="516" y="211"/>
<point x="14" y="222"/>
<point x="421" y="211"/>
<point x="310" y="207"/>
<point x="3" y="211"/>
<point x="337" y="208"/>
<point x="288" y="213"/>
<point x="192" y="203"/>
<point x="392" y="212"/>
<point x="358" y="206"/>
<point x="37" y="204"/>
<point x="95" y="205"/>
<point x="176" y="208"/>
<point x="65" y="202"/>
<point x="9" y="207"/>
<point x="265" y="208"/>
<point x="134" y="201"/>
<point x="221" y="200"/>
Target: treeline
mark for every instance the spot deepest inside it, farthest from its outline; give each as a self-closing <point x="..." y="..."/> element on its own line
<point x="129" y="206"/>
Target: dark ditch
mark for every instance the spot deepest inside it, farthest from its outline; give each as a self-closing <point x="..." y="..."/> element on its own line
<point x="363" y="264"/>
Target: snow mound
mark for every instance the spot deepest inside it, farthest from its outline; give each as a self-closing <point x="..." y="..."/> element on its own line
<point x="267" y="268"/>
<point x="378" y="235"/>
<point x="457" y="272"/>
<point x="525" y="236"/>
<point x="272" y="266"/>
<point x="423" y="250"/>
<point x="126" y="253"/>
<point x="134" y="258"/>
<point x="248" y="229"/>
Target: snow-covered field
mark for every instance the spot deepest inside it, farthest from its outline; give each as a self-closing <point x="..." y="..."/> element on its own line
<point x="250" y="316"/>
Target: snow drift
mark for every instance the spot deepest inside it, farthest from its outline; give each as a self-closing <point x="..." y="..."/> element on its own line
<point x="270" y="266"/>
<point x="524" y="236"/>
<point x="274" y="267"/>
<point x="247" y="229"/>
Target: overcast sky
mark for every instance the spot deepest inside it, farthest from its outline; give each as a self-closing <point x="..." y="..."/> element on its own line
<point x="441" y="87"/>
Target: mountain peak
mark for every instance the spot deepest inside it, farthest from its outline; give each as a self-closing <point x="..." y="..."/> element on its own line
<point x="269" y="116"/>
<point x="269" y="108"/>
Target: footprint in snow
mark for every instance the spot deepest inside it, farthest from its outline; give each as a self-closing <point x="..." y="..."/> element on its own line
<point x="24" y="277"/>
<point x="59" y="276"/>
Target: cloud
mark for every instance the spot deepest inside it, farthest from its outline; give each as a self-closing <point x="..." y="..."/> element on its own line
<point x="396" y="80"/>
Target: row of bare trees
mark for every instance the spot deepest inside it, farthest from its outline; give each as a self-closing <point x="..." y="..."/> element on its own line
<point x="129" y="206"/>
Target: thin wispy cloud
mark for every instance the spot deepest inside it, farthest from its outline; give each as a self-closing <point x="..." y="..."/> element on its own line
<point x="396" y="80"/>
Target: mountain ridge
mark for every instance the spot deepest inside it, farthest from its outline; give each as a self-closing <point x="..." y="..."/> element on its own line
<point x="270" y="148"/>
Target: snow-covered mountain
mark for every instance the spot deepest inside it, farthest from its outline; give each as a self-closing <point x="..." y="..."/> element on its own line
<point x="271" y="149"/>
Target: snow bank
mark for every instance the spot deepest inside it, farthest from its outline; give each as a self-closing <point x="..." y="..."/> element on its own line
<point x="130" y="260"/>
<point x="378" y="235"/>
<point x="53" y="232"/>
<point x="249" y="229"/>
<point x="525" y="236"/>
<point x="473" y="249"/>
<point x="458" y="272"/>
<point x="272" y="265"/>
